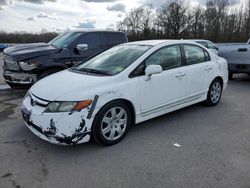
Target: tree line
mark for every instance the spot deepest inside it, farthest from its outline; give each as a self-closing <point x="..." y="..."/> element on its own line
<point x="217" y="20"/>
<point x="26" y="37"/>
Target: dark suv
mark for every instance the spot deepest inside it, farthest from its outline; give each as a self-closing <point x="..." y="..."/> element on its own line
<point x="26" y="63"/>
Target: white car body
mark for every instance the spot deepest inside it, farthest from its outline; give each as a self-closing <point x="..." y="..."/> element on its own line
<point x="149" y="97"/>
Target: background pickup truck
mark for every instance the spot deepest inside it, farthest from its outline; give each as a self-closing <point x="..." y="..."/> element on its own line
<point x="238" y="58"/>
<point x="24" y="64"/>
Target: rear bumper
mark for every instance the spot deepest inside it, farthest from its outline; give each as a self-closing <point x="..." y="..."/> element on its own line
<point x="239" y="68"/>
<point x="17" y="77"/>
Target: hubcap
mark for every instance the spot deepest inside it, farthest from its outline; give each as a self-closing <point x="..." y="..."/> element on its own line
<point x="114" y="123"/>
<point x="215" y="92"/>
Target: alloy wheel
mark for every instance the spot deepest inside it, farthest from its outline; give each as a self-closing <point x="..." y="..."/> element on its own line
<point x="114" y="123"/>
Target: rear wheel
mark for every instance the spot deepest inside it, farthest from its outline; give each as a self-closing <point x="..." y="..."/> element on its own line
<point x="214" y="93"/>
<point x="111" y="123"/>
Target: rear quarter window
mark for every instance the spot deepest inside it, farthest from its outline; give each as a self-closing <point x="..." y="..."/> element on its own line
<point x="113" y="38"/>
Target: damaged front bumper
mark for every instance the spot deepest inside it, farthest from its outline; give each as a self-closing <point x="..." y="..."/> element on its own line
<point x="66" y="128"/>
<point x="19" y="77"/>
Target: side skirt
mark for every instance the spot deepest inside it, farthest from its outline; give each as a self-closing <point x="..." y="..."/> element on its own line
<point x="158" y="111"/>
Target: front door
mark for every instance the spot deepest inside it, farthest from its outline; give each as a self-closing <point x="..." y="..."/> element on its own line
<point x="93" y="40"/>
<point x="164" y="90"/>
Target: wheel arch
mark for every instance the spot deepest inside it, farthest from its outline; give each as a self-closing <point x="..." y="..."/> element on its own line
<point x="127" y="102"/>
<point x="220" y="79"/>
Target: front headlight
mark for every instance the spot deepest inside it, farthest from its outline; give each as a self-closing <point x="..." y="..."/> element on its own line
<point x="27" y="66"/>
<point x="67" y="106"/>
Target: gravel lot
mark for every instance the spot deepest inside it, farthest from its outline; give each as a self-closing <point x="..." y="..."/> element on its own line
<point x="214" y="149"/>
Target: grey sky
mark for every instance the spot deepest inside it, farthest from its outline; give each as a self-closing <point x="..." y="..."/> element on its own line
<point x="59" y="15"/>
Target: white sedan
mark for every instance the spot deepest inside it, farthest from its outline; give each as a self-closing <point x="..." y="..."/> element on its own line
<point x="125" y="85"/>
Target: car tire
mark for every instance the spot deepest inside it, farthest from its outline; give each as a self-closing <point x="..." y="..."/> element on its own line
<point x="214" y="93"/>
<point x="111" y="123"/>
<point x="47" y="73"/>
<point x="230" y="76"/>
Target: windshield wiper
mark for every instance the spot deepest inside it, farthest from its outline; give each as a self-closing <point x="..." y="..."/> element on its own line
<point x="92" y="71"/>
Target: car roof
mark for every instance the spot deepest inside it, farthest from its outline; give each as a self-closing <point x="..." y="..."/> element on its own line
<point x="201" y="40"/>
<point x="157" y="42"/>
<point x="94" y="30"/>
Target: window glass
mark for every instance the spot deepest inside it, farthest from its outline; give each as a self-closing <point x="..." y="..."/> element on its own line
<point x="114" y="60"/>
<point x="194" y="54"/>
<point x="211" y="45"/>
<point x="207" y="56"/>
<point x="91" y="39"/>
<point x="169" y="57"/>
<point x="203" y="43"/>
<point x="113" y="38"/>
<point x="65" y="39"/>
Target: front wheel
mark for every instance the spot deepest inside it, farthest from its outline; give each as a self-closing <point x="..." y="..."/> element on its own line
<point x="111" y="123"/>
<point x="214" y="93"/>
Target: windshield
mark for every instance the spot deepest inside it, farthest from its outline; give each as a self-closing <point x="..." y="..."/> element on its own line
<point x="65" y="39"/>
<point x="114" y="60"/>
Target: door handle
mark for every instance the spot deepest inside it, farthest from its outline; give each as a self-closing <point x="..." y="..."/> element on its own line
<point x="208" y="67"/>
<point x="242" y="50"/>
<point x="179" y="75"/>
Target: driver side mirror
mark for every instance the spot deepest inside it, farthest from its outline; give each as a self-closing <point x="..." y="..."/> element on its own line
<point x="82" y="47"/>
<point x="152" y="69"/>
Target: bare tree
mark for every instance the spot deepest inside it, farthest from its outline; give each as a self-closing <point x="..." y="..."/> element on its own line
<point x="175" y="18"/>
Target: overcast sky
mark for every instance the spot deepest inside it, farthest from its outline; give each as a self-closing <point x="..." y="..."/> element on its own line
<point x="59" y="15"/>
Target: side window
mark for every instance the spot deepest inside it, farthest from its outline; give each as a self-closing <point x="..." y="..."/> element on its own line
<point x="91" y="39"/>
<point x="168" y="57"/>
<point x="113" y="38"/>
<point x="195" y="54"/>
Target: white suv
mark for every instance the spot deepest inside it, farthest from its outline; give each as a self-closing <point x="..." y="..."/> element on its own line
<point x="125" y="85"/>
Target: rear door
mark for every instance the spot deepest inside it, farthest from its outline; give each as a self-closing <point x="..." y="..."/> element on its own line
<point x="241" y="55"/>
<point x="200" y="70"/>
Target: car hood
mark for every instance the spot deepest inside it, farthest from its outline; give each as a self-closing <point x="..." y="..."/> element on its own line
<point x="23" y="52"/>
<point x="66" y="83"/>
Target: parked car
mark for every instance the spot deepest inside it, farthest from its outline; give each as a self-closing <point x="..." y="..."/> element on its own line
<point x="3" y="46"/>
<point x="238" y="58"/>
<point x="26" y="63"/>
<point x="127" y="84"/>
<point x="208" y="44"/>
